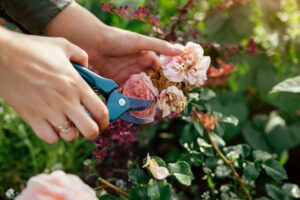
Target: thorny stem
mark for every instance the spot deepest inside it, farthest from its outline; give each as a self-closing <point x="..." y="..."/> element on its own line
<point x="107" y="184"/>
<point x="230" y="165"/>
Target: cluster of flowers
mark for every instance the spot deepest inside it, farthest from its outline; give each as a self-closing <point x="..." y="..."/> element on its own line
<point x="141" y="13"/>
<point x="120" y="133"/>
<point x="168" y="85"/>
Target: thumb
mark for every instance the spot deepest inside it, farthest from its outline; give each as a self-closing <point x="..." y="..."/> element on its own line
<point x="145" y="43"/>
<point x="78" y="55"/>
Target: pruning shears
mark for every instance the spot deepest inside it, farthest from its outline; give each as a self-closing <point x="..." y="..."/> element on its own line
<point x="117" y="104"/>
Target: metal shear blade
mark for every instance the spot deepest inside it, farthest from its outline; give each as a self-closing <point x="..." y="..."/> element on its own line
<point x="132" y="119"/>
<point x="138" y="104"/>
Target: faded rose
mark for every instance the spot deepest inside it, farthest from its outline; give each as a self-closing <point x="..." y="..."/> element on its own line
<point x="207" y="120"/>
<point x="191" y="66"/>
<point x="171" y="100"/>
<point x="57" y="185"/>
<point x="141" y="86"/>
<point x="157" y="171"/>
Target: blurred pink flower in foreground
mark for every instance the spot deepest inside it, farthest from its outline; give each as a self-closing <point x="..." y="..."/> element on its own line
<point x="56" y="186"/>
<point x="191" y="66"/>
<point x="171" y="100"/>
<point x="141" y="86"/>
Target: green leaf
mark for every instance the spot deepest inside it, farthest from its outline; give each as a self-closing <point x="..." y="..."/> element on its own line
<point x="212" y="162"/>
<point x="139" y="192"/>
<point x="182" y="172"/>
<point x="217" y="139"/>
<point x="242" y="150"/>
<point x="274" y="192"/>
<point x="159" y="190"/>
<point x="255" y="137"/>
<point x="137" y="176"/>
<point x="288" y="85"/>
<point x="192" y="158"/>
<point x="274" y="170"/>
<point x="205" y="148"/>
<point x="251" y="171"/>
<point x="229" y="119"/>
<point x="206" y="94"/>
<point x="261" y="155"/>
<point x="222" y="171"/>
<point x="291" y="190"/>
<point x="231" y="104"/>
<point x="198" y="128"/>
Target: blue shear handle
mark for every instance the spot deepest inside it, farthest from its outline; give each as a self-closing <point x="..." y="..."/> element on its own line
<point x="105" y="85"/>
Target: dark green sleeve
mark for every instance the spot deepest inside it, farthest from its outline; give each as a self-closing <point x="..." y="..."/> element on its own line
<point x="31" y="15"/>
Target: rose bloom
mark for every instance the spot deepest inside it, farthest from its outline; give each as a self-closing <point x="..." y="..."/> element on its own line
<point x="157" y="171"/>
<point x="141" y="86"/>
<point x="56" y="186"/>
<point x="170" y="100"/>
<point x="191" y="66"/>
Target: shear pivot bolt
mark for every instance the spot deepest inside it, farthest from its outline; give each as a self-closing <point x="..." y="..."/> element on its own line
<point x="122" y="102"/>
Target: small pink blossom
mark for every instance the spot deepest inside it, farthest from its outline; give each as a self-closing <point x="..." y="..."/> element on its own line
<point x="57" y="185"/>
<point x="171" y="100"/>
<point x="141" y="86"/>
<point x="191" y="66"/>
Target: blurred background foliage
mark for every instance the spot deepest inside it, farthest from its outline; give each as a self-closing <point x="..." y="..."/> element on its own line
<point x="269" y="122"/>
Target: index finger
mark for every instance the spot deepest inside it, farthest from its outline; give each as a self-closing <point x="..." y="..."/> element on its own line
<point x="146" y="43"/>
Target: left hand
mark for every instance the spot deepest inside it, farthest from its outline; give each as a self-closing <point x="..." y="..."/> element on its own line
<point x="113" y="52"/>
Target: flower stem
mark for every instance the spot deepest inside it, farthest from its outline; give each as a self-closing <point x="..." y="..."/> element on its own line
<point x="230" y="165"/>
<point x="113" y="187"/>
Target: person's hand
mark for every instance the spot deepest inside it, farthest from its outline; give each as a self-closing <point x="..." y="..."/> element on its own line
<point x="39" y="82"/>
<point x="113" y="52"/>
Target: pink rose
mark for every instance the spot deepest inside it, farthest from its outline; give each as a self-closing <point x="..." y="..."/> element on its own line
<point x="56" y="186"/>
<point x="191" y="66"/>
<point x="141" y="86"/>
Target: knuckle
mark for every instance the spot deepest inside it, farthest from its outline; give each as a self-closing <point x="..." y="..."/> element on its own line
<point x="105" y="112"/>
<point x="62" y="41"/>
<point x="92" y="131"/>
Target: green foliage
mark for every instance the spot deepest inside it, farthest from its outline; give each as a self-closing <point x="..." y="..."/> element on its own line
<point x="182" y="172"/>
<point x="288" y="85"/>
<point x="23" y="155"/>
<point x="274" y="170"/>
<point x="159" y="190"/>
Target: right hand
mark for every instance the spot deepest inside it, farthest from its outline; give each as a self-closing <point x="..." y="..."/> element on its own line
<point x="39" y="82"/>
